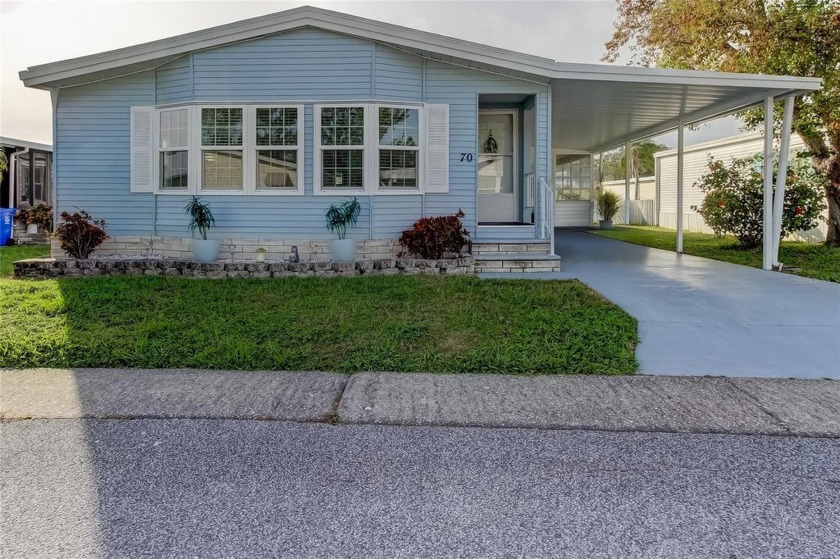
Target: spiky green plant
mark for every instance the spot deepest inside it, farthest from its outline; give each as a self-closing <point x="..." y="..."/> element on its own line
<point x="608" y="204"/>
<point x="341" y="216"/>
<point x="201" y="218"/>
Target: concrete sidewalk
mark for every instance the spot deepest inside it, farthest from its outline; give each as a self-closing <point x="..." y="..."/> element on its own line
<point x="634" y="403"/>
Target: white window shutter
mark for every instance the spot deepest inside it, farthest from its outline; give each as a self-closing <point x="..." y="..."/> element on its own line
<point x="437" y="149"/>
<point x="142" y="149"/>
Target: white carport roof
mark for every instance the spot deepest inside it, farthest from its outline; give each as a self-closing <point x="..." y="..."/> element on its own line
<point x="594" y="106"/>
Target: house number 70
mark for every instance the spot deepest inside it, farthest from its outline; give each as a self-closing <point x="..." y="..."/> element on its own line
<point x="468" y="157"/>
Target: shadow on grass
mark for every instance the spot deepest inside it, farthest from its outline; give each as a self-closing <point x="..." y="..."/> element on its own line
<point x="401" y="324"/>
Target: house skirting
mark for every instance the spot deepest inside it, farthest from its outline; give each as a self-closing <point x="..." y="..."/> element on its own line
<point x="233" y="249"/>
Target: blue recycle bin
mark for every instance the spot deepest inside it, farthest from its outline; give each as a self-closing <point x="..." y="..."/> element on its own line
<point x="6" y="219"/>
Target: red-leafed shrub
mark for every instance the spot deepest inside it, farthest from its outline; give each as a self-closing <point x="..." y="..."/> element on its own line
<point x="431" y="237"/>
<point x="79" y="234"/>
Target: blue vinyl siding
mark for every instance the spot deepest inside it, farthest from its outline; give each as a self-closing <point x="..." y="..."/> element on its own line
<point x="173" y="82"/>
<point x="304" y="66"/>
<point x="265" y="217"/>
<point x="301" y="65"/>
<point x="92" y="152"/>
<point x="460" y="87"/>
<point x="398" y="75"/>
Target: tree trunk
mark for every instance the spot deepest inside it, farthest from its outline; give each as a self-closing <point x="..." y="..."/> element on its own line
<point x="830" y="166"/>
<point x="827" y="162"/>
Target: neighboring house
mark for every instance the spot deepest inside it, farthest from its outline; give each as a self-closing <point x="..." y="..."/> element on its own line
<point x="696" y="165"/>
<point x="28" y="181"/>
<point x="273" y="118"/>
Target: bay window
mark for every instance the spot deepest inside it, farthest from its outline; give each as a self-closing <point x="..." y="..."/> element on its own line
<point x="254" y="148"/>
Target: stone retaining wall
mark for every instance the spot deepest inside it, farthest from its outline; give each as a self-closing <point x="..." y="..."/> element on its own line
<point x="42" y="268"/>
<point x="231" y="250"/>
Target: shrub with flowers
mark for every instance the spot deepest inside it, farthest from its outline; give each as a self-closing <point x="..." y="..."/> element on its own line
<point x="734" y="201"/>
<point x="432" y="237"/>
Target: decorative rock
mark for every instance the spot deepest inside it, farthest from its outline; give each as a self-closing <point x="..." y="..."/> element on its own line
<point x="42" y="268"/>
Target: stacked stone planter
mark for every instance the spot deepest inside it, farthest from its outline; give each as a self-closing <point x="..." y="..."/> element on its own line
<point x="42" y="268"/>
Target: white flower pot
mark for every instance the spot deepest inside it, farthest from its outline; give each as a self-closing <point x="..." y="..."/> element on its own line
<point x="260" y="257"/>
<point x="205" y="250"/>
<point x="343" y="250"/>
<point x="32" y="229"/>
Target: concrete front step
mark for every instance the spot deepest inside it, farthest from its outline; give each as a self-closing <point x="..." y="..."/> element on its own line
<point x="517" y="263"/>
<point x="507" y="246"/>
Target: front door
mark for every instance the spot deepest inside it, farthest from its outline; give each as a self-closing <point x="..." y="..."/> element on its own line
<point x="497" y="182"/>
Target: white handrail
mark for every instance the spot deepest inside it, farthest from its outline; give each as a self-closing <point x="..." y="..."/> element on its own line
<point x="530" y="190"/>
<point x="546" y="212"/>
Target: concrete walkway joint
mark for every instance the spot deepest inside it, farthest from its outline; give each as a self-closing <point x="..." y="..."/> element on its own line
<point x="628" y="403"/>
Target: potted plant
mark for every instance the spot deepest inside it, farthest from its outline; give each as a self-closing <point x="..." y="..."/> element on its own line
<point x="261" y="254"/>
<point x="608" y="204"/>
<point x="201" y="219"/>
<point x="39" y="215"/>
<point x="339" y="218"/>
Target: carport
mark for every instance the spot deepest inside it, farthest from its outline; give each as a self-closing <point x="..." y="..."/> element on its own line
<point x="595" y="108"/>
<point x="704" y="317"/>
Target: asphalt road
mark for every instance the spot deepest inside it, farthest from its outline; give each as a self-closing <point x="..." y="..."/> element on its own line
<point x="237" y="488"/>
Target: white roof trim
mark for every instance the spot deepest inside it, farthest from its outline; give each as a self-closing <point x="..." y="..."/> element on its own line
<point x="15" y="143"/>
<point x="149" y="55"/>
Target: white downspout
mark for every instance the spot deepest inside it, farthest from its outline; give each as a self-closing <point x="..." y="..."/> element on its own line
<point x="12" y="173"/>
<point x="767" y="249"/>
<point x="781" y="180"/>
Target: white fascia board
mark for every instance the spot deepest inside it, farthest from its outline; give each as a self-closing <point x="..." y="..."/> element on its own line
<point x="15" y="143"/>
<point x="604" y="72"/>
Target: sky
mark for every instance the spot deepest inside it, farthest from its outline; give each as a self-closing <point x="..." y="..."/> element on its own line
<point x="35" y="32"/>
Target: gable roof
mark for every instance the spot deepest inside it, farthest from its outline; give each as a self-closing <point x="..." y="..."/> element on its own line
<point x="430" y="45"/>
<point x="594" y="106"/>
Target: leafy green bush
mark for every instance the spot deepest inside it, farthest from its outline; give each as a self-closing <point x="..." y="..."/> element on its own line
<point x="432" y="237"/>
<point x="734" y="201"/>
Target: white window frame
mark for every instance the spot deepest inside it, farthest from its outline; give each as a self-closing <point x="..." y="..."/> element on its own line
<point x="318" y="152"/>
<point x="157" y="167"/>
<point x="249" y="149"/>
<point x="299" y="147"/>
<point x="370" y="153"/>
<point x="200" y="148"/>
<point x="420" y="149"/>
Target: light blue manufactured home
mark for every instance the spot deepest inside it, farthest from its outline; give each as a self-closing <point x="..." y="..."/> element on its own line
<point x="273" y="119"/>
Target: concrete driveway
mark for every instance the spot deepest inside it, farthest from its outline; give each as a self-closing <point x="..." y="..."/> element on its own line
<point x="703" y="317"/>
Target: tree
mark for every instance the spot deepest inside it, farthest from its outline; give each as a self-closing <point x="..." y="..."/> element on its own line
<point x="783" y="37"/>
<point x="642" y="164"/>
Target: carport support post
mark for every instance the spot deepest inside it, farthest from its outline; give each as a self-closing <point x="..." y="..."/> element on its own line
<point x="767" y="249"/>
<point x="781" y="178"/>
<point x="680" y="177"/>
<point x="627" y="183"/>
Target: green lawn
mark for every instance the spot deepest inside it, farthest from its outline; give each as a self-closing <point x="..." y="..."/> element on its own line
<point x="806" y="259"/>
<point x="397" y="323"/>
<point x="10" y="254"/>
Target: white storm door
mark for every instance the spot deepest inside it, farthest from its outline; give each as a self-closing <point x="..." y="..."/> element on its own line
<point x="497" y="163"/>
